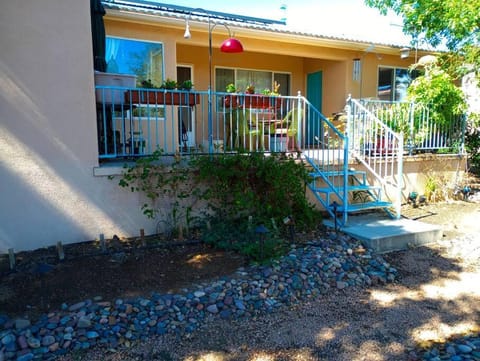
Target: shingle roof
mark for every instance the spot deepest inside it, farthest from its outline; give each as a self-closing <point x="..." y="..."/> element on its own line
<point x="239" y="21"/>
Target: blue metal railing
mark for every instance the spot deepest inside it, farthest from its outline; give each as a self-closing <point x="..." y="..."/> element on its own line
<point x="326" y="150"/>
<point x="134" y="122"/>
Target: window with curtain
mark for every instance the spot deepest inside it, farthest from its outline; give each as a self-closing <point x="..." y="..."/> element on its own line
<point x="244" y="77"/>
<point x="393" y="83"/>
<point x="141" y="58"/>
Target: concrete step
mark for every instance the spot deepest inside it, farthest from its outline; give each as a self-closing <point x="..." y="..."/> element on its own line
<point x="383" y="234"/>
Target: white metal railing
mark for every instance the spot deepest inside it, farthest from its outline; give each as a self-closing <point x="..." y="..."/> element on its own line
<point x="377" y="147"/>
<point x="421" y="132"/>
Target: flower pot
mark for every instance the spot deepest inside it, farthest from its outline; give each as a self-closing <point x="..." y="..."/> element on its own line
<point x="262" y="101"/>
<point x="231" y="101"/>
<point x="162" y="97"/>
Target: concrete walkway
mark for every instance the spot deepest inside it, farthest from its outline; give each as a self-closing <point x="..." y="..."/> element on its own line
<point x="383" y="234"/>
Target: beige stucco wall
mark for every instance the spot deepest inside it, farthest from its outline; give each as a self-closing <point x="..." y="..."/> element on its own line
<point x="445" y="171"/>
<point x="48" y="136"/>
<point x="284" y="54"/>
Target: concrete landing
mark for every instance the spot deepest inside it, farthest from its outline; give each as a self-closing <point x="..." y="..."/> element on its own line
<point x="383" y="234"/>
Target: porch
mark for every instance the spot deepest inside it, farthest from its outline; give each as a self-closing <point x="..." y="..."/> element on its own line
<point x="356" y="156"/>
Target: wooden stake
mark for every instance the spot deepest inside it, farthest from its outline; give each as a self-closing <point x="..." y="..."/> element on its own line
<point x="142" y="237"/>
<point x="61" y="254"/>
<point x="180" y="233"/>
<point x="102" y="242"/>
<point x="11" y="257"/>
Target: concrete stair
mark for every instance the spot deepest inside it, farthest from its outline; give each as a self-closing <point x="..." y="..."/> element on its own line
<point x="383" y="234"/>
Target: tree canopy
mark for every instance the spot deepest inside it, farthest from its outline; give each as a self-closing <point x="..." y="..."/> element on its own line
<point x="455" y="23"/>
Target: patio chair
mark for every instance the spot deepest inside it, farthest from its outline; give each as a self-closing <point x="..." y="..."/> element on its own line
<point x="245" y="130"/>
<point x="289" y="127"/>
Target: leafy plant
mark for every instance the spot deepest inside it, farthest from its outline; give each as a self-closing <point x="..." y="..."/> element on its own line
<point x="231" y="88"/>
<point x="250" y="89"/>
<point x="437" y="91"/>
<point x="147" y="83"/>
<point x="186" y="85"/>
<point x="472" y="141"/>
<point x="259" y="186"/>
<point x="238" y="193"/>
<point x="452" y="22"/>
<point x="169" y="84"/>
<point x="168" y="187"/>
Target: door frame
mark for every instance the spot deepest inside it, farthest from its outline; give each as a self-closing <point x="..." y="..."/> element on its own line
<point x="186" y="138"/>
<point x="314" y="96"/>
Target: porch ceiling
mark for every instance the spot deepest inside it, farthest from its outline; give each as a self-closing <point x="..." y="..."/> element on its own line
<point x="283" y="42"/>
<point x="245" y="30"/>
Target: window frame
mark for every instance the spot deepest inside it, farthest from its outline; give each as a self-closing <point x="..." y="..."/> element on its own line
<point x="144" y="41"/>
<point x="394" y="69"/>
<point x="257" y="90"/>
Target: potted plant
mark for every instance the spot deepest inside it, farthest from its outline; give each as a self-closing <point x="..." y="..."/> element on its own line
<point x="168" y="95"/>
<point x="169" y="84"/>
<point x="231" y="88"/>
<point x="264" y="99"/>
<point x="231" y="100"/>
<point x="186" y="85"/>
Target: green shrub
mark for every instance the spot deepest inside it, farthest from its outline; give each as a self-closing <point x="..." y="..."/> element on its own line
<point x="239" y="191"/>
<point x="472" y="141"/>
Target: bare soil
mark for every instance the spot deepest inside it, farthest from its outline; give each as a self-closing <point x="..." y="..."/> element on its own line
<point x="123" y="271"/>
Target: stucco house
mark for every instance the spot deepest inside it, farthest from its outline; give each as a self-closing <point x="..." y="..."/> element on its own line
<point x="54" y="180"/>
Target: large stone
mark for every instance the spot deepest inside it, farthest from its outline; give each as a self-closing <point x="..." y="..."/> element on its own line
<point x="33" y="342"/>
<point x="48" y="340"/>
<point x="21" y="323"/>
<point x="464" y="348"/>
<point x="84" y="322"/>
<point x="8" y="339"/>
<point x="76" y="306"/>
<point x="212" y="308"/>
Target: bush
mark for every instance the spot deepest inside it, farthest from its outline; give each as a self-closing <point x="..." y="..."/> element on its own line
<point x="472" y="141"/>
<point x="240" y="191"/>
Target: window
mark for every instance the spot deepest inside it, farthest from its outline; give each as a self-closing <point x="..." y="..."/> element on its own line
<point x="244" y="77"/>
<point x="141" y="58"/>
<point x="393" y="83"/>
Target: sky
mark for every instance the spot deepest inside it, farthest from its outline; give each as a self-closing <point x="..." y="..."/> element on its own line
<point x="349" y="18"/>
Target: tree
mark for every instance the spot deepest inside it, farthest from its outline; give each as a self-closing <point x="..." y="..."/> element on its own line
<point x="455" y="23"/>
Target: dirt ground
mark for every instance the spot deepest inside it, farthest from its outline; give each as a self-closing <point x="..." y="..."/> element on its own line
<point x="373" y="324"/>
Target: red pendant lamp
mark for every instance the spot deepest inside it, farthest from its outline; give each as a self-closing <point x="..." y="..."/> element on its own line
<point x="231" y="45"/>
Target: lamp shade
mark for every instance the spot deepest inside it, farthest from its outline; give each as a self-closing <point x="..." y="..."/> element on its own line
<point x="231" y="45"/>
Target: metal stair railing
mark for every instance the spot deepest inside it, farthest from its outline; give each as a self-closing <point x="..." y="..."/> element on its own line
<point x="378" y="148"/>
<point x="325" y="148"/>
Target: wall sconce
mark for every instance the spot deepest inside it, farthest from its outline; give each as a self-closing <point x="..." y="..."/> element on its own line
<point x="404" y="53"/>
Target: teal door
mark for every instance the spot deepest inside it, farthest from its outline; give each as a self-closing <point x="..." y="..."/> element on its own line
<point x="314" y="96"/>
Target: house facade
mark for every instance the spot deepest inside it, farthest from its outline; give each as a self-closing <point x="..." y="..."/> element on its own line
<point x="54" y="186"/>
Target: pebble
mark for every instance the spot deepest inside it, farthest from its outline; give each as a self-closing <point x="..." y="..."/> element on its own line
<point x="314" y="269"/>
<point x="464" y="348"/>
<point x="76" y="306"/>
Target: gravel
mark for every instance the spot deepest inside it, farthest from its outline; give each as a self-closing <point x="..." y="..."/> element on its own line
<point x="329" y="300"/>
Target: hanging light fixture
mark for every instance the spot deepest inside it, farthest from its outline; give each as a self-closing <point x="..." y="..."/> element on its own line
<point x="187" y="34"/>
<point x="231" y="45"/>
